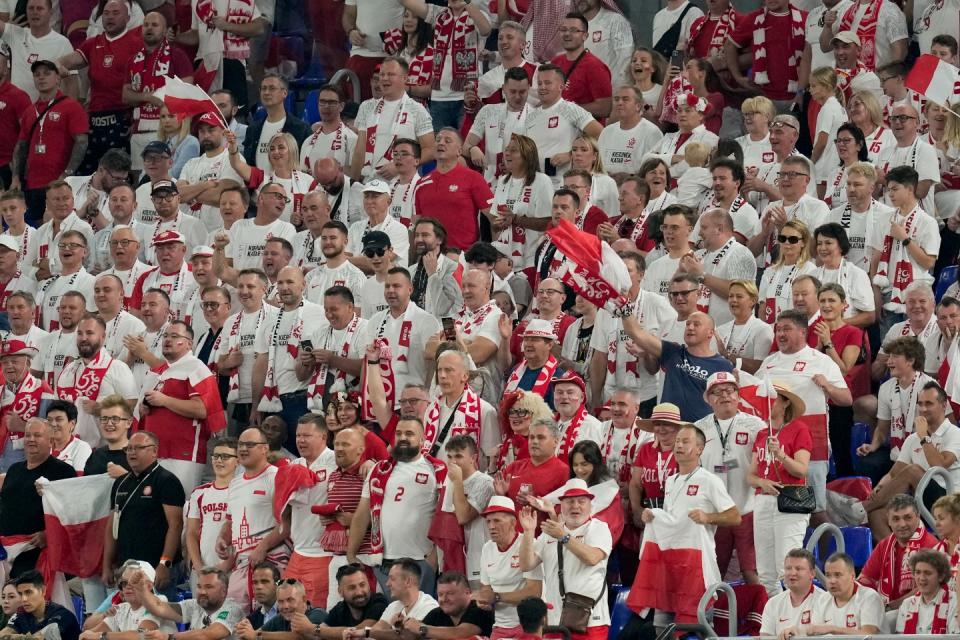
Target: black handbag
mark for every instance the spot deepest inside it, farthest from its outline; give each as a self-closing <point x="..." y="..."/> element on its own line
<point x="795" y="498"/>
<point x="577" y="608"/>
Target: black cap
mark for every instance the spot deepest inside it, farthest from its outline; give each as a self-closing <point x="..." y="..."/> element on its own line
<point x="52" y="66"/>
<point x="157" y="146"/>
<point x="164" y="185"/>
<point x="376" y="240"/>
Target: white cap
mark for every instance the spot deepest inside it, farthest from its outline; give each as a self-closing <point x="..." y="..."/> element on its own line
<point x="8" y="241"/>
<point x="539" y="328"/>
<point x="376" y="186"/>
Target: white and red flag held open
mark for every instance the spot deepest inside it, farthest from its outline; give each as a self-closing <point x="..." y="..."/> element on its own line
<point x="76" y="513"/>
<point x="592" y="269"/>
<point x="187" y="100"/>
<point x="936" y="79"/>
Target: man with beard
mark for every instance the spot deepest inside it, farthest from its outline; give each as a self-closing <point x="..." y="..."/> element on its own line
<point x="145" y="352"/>
<point x="398" y="503"/>
<point x="295" y="617"/>
<point x="108" y="296"/>
<point x="124" y="247"/>
<point x="237" y="346"/>
<point x="338" y="269"/>
<point x="95" y="375"/>
<point x="72" y="248"/>
<point x="172" y="273"/>
<point x="60" y="347"/>
<point x="435" y="286"/>
<point x="179" y="401"/>
<point x="358" y="607"/>
<point x="274" y="375"/>
<point x="573" y="420"/>
<point x="204" y="275"/>
<point x="315" y="212"/>
<point x="203" y="178"/>
<point x="242" y="246"/>
<point x="333" y="361"/>
<point x="166" y="198"/>
<point x="376" y="204"/>
<point x="121" y="202"/>
<point x="210" y="613"/>
<point x="333" y="138"/>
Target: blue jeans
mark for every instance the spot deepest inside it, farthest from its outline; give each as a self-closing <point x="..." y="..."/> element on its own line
<point x="446" y="113"/>
<point x="10" y="456"/>
<point x="294" y="407"/>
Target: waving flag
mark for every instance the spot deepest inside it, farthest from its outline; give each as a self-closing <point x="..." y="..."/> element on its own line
<point x="756" y="395"/>
<point x="592" y="269"/>
<point x="76" y="512"/>
<point x="936" y="79"/>
<point x="187" y="100"/>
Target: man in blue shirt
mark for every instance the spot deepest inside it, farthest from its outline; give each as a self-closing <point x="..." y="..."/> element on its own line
<point x="36" y="613"/>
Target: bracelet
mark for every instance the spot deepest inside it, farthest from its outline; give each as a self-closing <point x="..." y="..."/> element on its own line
<point x="829" y="345"/>
<point x="377" y="361"/>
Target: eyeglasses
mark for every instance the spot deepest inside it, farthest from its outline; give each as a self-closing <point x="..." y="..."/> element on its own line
<point x="175" y="336"/>
<point x="779" y="124"/>
<point x="137" y="448"/>
<point x="328" y="103"/>
<point x="723" y="391"/>
<point x="70" y="246"/>
<point x="123" y="243"/>
<point x="541" y="292"/>
<point x="275" y="194"/>
<point x="223" y="456"/>
<point x="167" y="198"/>
<point x="210" y="305"/>
<point x="519" y="413"/>
<point x="790" y="175"/>
<point x="680" y="294"/>
<point x="124" y="178"/>
<point x="402" y="154"/>
<point x="378" y="253"/>
<point x="788" y="239"/>
<point x="284" y="581"/>
<point x="844" y="140"/>
<point x="412" y="400"/>
<point x="902" y="118"/>
<point x="569" y="30"/>
<point x="244" y="444"/>
<point x="113" y="419"/>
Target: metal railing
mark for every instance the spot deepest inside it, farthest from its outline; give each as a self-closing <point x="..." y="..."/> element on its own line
<point x="877" y="636"/>
<point x="813" y="542"/>
<point x="731" y="608"/>
<point x="932" y="472"/>
<point x="348" y="74"/>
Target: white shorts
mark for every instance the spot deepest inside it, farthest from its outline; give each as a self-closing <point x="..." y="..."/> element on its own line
<point x="817" y="478"/>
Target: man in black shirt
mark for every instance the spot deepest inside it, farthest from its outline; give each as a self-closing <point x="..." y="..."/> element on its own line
<point x="359" y="607"/>
<point x="36" y="613"/>
<point x="147" y="514"/>
<point x="295" y="618"/>
<point x="457" y="616"/>
<point x="20" y="504"/>
<point x="115" y="418"/>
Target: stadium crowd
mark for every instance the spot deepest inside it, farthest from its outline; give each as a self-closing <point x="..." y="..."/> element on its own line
<point x="543" y="312"/>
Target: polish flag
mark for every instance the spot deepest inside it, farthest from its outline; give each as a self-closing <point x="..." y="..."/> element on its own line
<point x="756" y="395"/>
<point x="76" y="512"/>
<point x="592" y="268"/>
<point x="936" y="79"/>
<point x="187" y="100"/>
<point x="678" y="561"/>
<point x="289" y="481"/>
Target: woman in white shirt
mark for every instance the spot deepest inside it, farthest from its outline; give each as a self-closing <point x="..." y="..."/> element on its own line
<point x="851" y="148"/>
<point x="758" y="112"/>
<point x="865" y="112"/>
<point x="794" y="261"/>
<point x="604" y="193"/>
<point x="646" y="73"/>
<point x="284" y="169"/>
<point x="745" y="341"/>
<point x="823" y="89"/>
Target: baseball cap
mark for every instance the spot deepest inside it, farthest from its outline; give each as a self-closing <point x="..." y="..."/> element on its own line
<point x="164" y="185"/>
<point x="52" y="66"/>
<point x="157" y="146"/>
<point x="8" y="241"/>
<point x="212" y="119"/>
<point x="201" y="250"/>
<point x="17" y="348"/>
<point x="167" y="236"/>
<point x="570" y="377"/>
<point x="376" y="240"/>
<point x="720" y="377"/>
<point x="376" y="186"/>
<point x="847" y="36"/>
<point x="539" y="328"/>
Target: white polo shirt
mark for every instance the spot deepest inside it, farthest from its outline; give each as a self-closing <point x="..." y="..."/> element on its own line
<point x="779" y="612"/>
<point x="500" y="570"/>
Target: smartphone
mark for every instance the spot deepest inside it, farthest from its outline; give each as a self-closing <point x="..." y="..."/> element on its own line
<point x="449" y="329"/>
<point x="306" y="345"/>
<point x="548" y="168"/>
<point x="676" y="60"/>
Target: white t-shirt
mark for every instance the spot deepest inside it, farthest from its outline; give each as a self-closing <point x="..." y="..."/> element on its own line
<point x="373" y="18"/>
<point x="756" y="152"/>
<point x="250" y="508"/>
<point x="588" y="580"/>
<point x="734" y="263"/>
<point x="945" y="439"/>
<point x="124" y="324"/>
<point x="248" y="241"/>
<point x="860" y="226"/>
<point x="43" y="243"/>
<point x="752" y="339"/>
<point x="338" y="144"/>
<point x="700" y="489"/>
<point x="61" y="348"/>
<point x="891" y="27"/>
<point x="671" y="145"/>
<point x="605" y="195"/>
<point x="306" y="250"/>
<point x="324" y="277"/>
<point x="250" y="327"/>
<point x="924" y="231"/>
<point x="410" y="497"/>
<point x="855" y="282"/>
<point x="324" y="336"/>
<point x="829" y="119"/>
<point x="554" y="129"/>
<point x="422" y="327"/>
<point x="128" y="619"/>
<point x="276" y="333"/>
<point x="306" y="528"/>
<point x="208" y="504"/>
<point x="50" y="290"/>
<point x="922" y="157"/>
<point x="812" y="33"/>
<point x="205" y="167"/>
<point x="494" y="124"/>
<point x="729" y="453"/>
<point x="153" y="340"/>
<point x="415" y="122"/>
<point x="371" y="295"/>
<point x="808" y="210"/>
<point x="478" y="488"/>
<point x="229" y="614"/>
<point x="500" y="570"/>
<point x="866" y="607"/>
<point x="193" y="231"/>
<point x="665" y="18"/>
<point x="399" y="235"/>
<point x="25" y="49"/>
<point x="533" y="201"/>
<point x="424" y="605"/>
<point x="262" y="159"/>
<point x="75" y="453"/>
<point x="659" y="273"/>
<point x="777" y="284"/>
<point x="622" y="150"/>
<point x="930" y="337"/>
<point x="779" y="612"/>
<point x="401" y="199"/>
<point x="610" y="38"/>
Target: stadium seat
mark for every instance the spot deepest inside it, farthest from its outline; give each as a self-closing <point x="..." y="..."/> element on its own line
<point x="859" y="543"/>
<point x="620" y="613"/>
<point x="947" y="277"/>
<point x="311" y="112"/>
<point x="287" y="48"/>
<point x="859" y="434"/>
<point x="78" y="608"/>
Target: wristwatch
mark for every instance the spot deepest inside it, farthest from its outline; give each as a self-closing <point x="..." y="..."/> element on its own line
<point x="496" y="598"/>
<point x="906" y="242"/>
<point x="423" y="631"/>
<point x="926" y="440"/>
<point x="564" y="539"/>
<point x="167" y="562"/>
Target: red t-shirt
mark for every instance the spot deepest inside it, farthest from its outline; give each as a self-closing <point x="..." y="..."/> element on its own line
<point x="700" y="45"/>
<point x="713" y="116"/>
<point x="590" y="80"/>
<point x="455" y="198"/>
<point x="793" y="437"/>
<point x="48" y="150"/>
<point x="374" y="448"/>
<point x="516" y="340"/>
<point x="656" y="466"/>
<point x="858" y="377"/>
<point x="108" y="60"/>
<point x="594" y="216"/>
<point x="778" y="41"/>
<point x="14" y="102"/>
<point x="543" y="478"/>
<point x="887" y="557"/>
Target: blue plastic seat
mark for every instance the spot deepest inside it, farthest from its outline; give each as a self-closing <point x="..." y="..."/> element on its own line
<point x="859" y="434"/>
<point x="947" y="277"/>
<point x="859" y="544"/>
<point x="620" y="613"/>
<point x="311" y="112"/>
<point x="78" y="608"/>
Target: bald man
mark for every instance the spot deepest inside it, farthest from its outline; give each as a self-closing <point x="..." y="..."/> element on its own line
<point x="274" y="375"/>
<point x="686" y="366"/>
<point x="345" y="195"/>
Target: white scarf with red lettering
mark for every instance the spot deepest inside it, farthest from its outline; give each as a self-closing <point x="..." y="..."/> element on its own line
<point x="866" y="30"/>
<point x="404" y="113"/>
<point x="472" y="321"/>
<point x="542" y="384"/>
<point x="233" y="344"/>
<point x="270" y="400"/>
<point x="466" y="419"/>
<point x="887" y="569"/>
<point x="703" y="300"/>
<point x="80" y="380"/>
<point x="571" y="432"/>
<point x="760" y="60"/>
<point x="613" y="347"/>
<point x="317" y="387"/>
<point x="895" y="259"/>
<point x="379" y="476"/>
<point x="941" y="605"/>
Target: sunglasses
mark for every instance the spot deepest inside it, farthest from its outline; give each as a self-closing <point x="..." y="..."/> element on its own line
<point x="788" y="239"/>
<point x="379" y="253"/>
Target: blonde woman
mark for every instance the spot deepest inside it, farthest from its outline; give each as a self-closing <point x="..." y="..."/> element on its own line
<point x="176" y="132"/>
<point x="794" y="261"/>
<point x="518" y="411"/>
<point x="745" y="341"/>
<point x="947" y="144"/>
<point x="284" y="169"/>
<point x="758" y="113"/>
<point x="604" y="193"/>
<point x="824" y="91"/>
<point x="865" y="111"/>
<point x="946" y="517"/>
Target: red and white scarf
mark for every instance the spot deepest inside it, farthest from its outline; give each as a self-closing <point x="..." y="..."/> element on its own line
<point x="81" y="380"/>
<point x="760" y="60"/>
<point x="469" y="322"/>
<point x="941" y="605"/>
<point x="270" y="400"/>
<point x="466" y="419"/>
<point x="317" y="388"/>
<point x="404" y="114"/>
<point x="455" y="36"/>
<point x="888" y="574"/>
<point x="866" y="30"/>
<point x="725" y="23"/>
<point x="845" y="78"/>
<point x="620" y="463"/>
<point x="379" y="476"/>
<point x="895" y="259"/>
<point x="954" y="560"/>
<point x="705" y="294"/>
<point x="148" y="73"/>
<point x="571" y="432"/>
<point x="24" y="402"/>
<point x="541" y="385"/>
<point x="393" y="359"/>
<point x="514" y="236"/>
<point x="614" y="352"/>
<point x="233" y="344"/>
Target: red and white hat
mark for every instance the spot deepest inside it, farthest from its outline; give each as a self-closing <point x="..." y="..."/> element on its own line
<point x="17" y="348"/>
<point x="500" y="504"/>
<point x="576" y="488"/>
<point x="720" y="377"/>
<point x="688" y="99"/>
<point x="167" y="236"/>
<point x="212" y="119"/>
<point x="665" y="412"/>
<point x="201" y="251"/>
<point x="539" y="328"/>
<point x="570" y="377"/>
